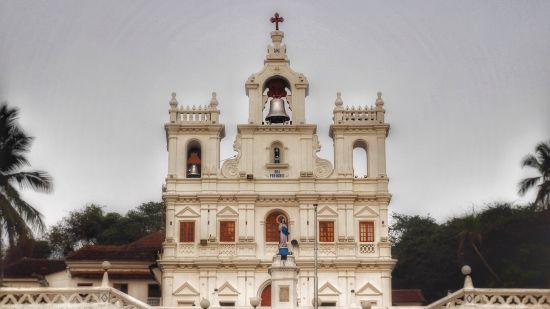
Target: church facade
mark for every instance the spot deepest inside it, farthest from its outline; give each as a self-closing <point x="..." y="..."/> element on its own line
<point x="223" y="220"/>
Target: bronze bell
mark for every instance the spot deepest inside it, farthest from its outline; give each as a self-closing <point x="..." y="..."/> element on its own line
<point x="194" y="165"/>
<point x="277" y="112"/>
<point x="194" y="171"/>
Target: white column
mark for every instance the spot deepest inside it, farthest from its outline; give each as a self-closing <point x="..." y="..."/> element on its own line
<point x="172" y="155"/>
<point x="204" y="222"/>
<point x="242" y="223"/>
<point x="167" y="288"/>
<point x="381" y="155"/>
<point x="386" y="289"/>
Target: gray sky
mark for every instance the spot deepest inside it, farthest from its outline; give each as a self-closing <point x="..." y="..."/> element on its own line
<point x="466" y="86"/>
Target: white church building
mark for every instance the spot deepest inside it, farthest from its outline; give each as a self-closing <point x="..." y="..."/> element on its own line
<point x="259" y="229"/>
<point x="222" y="220"/>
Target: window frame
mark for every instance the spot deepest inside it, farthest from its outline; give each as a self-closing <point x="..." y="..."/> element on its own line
<point x="333" y="226"/>
<point x="181" y="223"/>
<point x="367" y="223"/>
<point x="221" y="235"/>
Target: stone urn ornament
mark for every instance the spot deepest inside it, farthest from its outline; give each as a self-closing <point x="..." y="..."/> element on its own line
<point x="365" y="304"/>
<point x="205" y="303"/>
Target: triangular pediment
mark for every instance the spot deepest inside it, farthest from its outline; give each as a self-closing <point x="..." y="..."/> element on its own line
<point x="328" y="290"/>
<point x="366" y="211"/>
<point x="227" y="289"/>
<point x="368" y="290"/>
<point x="187" y="212"/>
<point x="186" y="289"/>
<point x="327" y="212"/>
<point x="227" y="211"/>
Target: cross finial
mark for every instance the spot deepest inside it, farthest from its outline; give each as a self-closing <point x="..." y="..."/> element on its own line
<point x="277" y="19"/>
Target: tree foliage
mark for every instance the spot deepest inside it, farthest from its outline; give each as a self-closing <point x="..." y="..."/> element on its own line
<point x="506" y="246"/>
<point x="92" y="225"/>
<point x="540" y="161"/>
<point x="17" y="217"/>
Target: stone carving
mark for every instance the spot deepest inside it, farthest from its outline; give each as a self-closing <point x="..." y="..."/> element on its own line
<point x="323" y="168"/>
<point x="230" y="168"/>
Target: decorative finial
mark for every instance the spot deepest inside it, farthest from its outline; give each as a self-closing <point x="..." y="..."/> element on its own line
<point x="338" y="101"/>
<point x="466" y="271"/>
<point x="277" y="19"/>
<point x="213" y="101"/>
<point x="173" y="101"/>
<point x="379" y="101"/>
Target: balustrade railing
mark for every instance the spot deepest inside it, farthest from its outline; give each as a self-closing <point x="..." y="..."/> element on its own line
<point x="491" y="298"/>
<point x="16" y="298"/>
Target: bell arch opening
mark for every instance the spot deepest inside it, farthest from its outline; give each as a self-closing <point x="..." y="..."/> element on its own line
<point x="194" y="159"/>
<point x="277" y="109"/>
<point x="360" y="159"/>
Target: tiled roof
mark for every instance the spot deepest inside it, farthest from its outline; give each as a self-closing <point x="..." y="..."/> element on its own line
<point x="26" y="267"/>
<point x="115" y="274"/>
<point x="407" y="296"/>
<point x="143" y="249"/>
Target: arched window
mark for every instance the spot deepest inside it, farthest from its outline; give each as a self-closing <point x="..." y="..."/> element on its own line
<point x="360" y="160"/>
<point x="276" y="153"/>
<point x="272" y="226"/>
<point x="194" y="159"/>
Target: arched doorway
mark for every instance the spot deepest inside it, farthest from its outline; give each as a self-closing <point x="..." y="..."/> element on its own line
<point x="266" y="296"/>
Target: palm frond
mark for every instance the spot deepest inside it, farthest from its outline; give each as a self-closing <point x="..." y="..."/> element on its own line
<point x="26" y="212"/>
<point x="531" y="161"/>
<point x="37" y="180"/>
<point x="12" y="224"/>
<point x="526" y="184"/>
<point x="543" y="195"/>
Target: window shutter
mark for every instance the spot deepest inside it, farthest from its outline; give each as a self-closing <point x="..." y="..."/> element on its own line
<point x="187" y="231"/>
<point x="366" y="231"/>
<point x="227" y="231"/>
<point x="326" y="231"/>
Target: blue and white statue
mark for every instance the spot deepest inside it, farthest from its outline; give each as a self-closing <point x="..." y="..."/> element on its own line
<point x="283" y="232"/>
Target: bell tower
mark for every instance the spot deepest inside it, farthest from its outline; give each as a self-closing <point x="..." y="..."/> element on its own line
<point x="277" y="82"/>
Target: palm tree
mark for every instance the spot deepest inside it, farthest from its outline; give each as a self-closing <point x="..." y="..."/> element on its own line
<point x="541" y="162"/>
<point x="17" y="217"/>
<point x="471" y="235"/>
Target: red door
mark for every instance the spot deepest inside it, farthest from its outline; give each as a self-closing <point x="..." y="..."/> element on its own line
<point x="266" y="297"/>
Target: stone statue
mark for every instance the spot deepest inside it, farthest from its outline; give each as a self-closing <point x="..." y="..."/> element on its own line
<point x="283" y="232"/>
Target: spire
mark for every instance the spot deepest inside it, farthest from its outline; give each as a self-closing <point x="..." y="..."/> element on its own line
<point x="173" y="101"/>
<point x="276" y="51"/>
<point x="379" y="101"/>
<point x="338" y="102"/>
<point x="214" y="101"/>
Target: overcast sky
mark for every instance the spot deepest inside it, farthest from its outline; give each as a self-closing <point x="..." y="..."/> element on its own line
<point x="466" y="87"/>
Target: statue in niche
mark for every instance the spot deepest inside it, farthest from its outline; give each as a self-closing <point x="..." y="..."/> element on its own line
<point x="276" y="155"/>
<point x="283" y="232"/>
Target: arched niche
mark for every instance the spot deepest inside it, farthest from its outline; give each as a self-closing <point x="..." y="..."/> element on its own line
<point x="276" y="153"/>
<point x="360" y="159"/>
<point x="272" y="220"/>
<point x="194" y="157"/>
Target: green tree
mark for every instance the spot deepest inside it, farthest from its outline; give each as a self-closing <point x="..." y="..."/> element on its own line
<point x="541" y="162"/>
<point x="513" y="240"/>
<point x="92" y="225"/>
<point x="17" y="217"/>
<point x="470" y="236"/>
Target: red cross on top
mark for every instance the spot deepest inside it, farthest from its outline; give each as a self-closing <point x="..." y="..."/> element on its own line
<point x="277" y="19"/>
